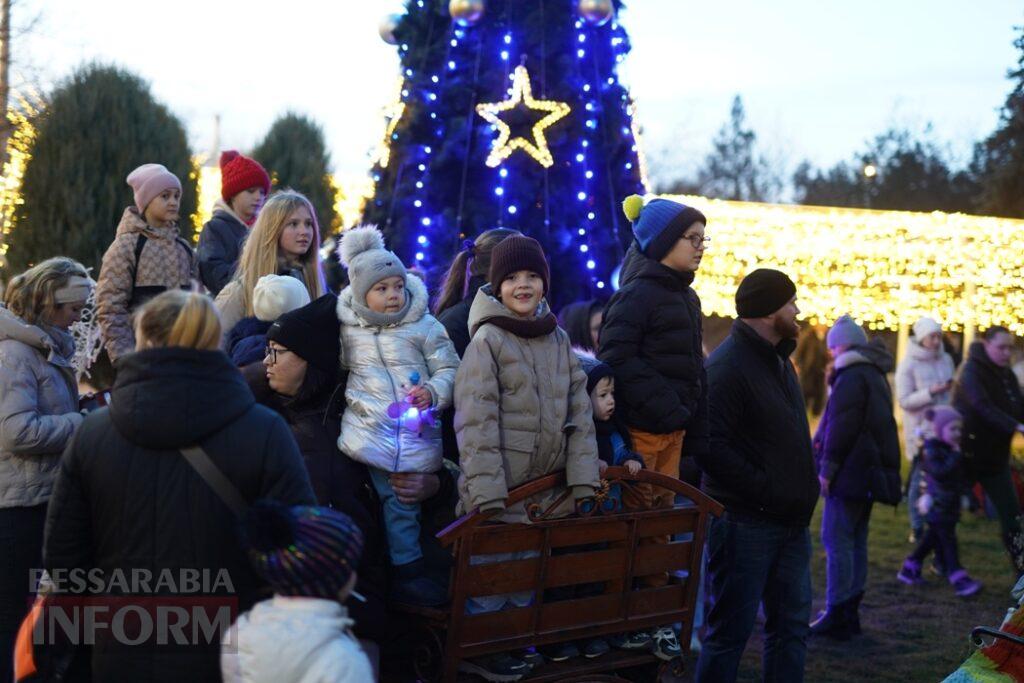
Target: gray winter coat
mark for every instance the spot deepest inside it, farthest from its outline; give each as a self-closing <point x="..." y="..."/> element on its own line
<point x="38" y="408"/>
<point x="380" y="360"/>
<point x="521" y="411"/>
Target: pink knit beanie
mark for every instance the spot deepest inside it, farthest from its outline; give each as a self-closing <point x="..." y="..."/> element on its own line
<point x="148" y="181"/>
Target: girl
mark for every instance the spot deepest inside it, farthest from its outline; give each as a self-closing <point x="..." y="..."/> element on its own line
<point x="285" y="240"/>
<point x="944" y="474"/>
<point x="38" y="415"/>
<point x="244" y="186"/>
<point x="582" y="320"/>
<point x="521" y="411"/>
<point x="147" y="257"/>
<point x="401" y="366"/>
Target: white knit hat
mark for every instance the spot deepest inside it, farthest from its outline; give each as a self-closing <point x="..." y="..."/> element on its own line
<point x="926" y="326"/>
<point x="276" y="295"/>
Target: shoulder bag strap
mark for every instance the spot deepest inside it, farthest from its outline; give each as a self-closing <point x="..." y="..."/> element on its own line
<point x="140" y="244"/>
<point x="215" y="479"/>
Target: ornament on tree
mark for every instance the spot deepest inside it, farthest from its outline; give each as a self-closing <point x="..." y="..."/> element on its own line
<point x="596" y="12"/>
<point x="387" y="27"/>
<point x="466" y="12"/>
<point x="521" y="99"/>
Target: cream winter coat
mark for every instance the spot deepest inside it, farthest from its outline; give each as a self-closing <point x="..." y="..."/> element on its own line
<point x="521" y="411"/>
<point x="38" y="409"/>
<point x="294" y="640"/>
<point x="920" y="369"/>
<point x="380" y="361"/>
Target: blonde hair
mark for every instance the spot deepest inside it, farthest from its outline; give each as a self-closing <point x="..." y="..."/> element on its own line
<point x="261" y="253"/>
<point x="32" y="295"/>
<point x="178" y="318"/>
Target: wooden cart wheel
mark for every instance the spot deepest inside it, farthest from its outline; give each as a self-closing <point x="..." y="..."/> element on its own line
<point x="428" y="654"/>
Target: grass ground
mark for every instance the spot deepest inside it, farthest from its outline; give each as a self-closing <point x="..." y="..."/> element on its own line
<point x="910" y="634"/>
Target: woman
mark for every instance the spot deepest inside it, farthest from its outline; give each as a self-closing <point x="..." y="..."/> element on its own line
<point x="285" y="240"/>
<point x="923" y="380"/>
<point x="302" y="381"/>
<point x="127" y="501"/>
<point x="38" y="415"/>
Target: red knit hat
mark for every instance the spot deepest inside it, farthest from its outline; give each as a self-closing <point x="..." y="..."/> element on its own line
<point x="239" y="173"/>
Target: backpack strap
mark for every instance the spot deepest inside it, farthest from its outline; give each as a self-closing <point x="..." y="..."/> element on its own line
<point x="140" y="244"/>
<point x="215" y="479"/>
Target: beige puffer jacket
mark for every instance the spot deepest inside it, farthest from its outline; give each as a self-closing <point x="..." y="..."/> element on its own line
<point x="38" y="409"/>
<point x="382" y="359"/>
<point x="521" y="411"/>
<point x="167" y="262"/>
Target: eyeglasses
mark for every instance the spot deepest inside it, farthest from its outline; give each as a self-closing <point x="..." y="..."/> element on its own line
<point x="272" y="353"/>
<point x="697" y="240"/>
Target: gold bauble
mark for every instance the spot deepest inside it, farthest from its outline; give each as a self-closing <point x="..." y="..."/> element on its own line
<point x="466" y="12"/>
<point x="387" y="27"/>
<point x="596" y="12"/>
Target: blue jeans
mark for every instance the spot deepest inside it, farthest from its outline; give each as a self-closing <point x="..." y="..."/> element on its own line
<point x="844" y="533"/>
<point x="913" y="493"/>
<point x="401" y="521"/>
<point x="750" y="563"/>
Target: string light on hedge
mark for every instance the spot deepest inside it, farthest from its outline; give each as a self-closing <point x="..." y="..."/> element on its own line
<point x="20" y="117"/>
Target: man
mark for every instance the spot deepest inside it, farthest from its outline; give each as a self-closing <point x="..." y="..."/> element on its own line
<point x="761" y="468"/>
<point x="989" y="397"/>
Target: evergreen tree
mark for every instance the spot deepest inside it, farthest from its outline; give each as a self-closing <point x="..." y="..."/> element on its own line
<point x="734" y="169"/>
<point x="295" y="154"/>
<point x="445" y="180"/>
<point x="100" y="123"/>
<point x="1000" y="158"/>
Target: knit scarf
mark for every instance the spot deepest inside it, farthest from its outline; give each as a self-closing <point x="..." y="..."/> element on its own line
<point x="529" y="328"/>
<point x="374" y="319"/>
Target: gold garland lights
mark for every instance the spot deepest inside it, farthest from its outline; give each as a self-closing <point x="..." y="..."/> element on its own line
<point x="20" y="116"/>
<point x="522" y="95"/>
<point x="885" y="268"/>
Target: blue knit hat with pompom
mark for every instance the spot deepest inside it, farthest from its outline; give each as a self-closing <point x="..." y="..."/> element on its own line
<point x="659" y="223"/>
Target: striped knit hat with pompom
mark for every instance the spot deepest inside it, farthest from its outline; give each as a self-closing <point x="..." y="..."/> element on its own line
<point x="303" y="550"/>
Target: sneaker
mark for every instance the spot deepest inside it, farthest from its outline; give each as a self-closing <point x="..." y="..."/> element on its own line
<point x="501" y="668"/>
<point x="559" y="652"/>
<point x="910" y="573"/>
<point x="638" y="640"/>
<point x="963" y="584"/>
<point x="666" y="644"/>
<point x="594" y="648"/>
<point x="531" y="658"/>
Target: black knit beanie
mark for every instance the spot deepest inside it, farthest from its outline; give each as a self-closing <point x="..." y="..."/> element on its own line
<point x="514" y="254"/>
<point x="312" y="333"/>
<point x="763" y="292"/>
<point x="594" y="369"/>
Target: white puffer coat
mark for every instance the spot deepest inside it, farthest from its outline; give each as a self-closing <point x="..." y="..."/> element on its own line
<point x="917" y="372"/>
<point x="380" y="361"/>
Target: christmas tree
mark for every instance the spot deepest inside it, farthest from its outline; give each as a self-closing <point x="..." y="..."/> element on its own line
<point x="510" y="114"/>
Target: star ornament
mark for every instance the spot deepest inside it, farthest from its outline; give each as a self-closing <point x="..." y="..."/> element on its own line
<point x="522" y="96"/>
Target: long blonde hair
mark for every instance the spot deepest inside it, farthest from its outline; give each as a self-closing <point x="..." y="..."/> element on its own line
<point x="178" y="318"/>
<point x="32" y="296"/>
<point x="261" y="253"/>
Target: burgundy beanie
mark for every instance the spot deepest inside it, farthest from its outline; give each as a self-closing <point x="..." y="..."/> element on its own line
<point x="238" y="173"/>
<point x="148" y="181"/>
<point x="517" y="253"/>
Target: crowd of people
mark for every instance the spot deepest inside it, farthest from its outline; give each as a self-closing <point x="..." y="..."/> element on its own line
<point x="311" y="444"/>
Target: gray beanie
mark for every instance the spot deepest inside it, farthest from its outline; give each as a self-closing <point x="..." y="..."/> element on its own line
<point x="362" y="252"/>
<point x="846" y="332"/>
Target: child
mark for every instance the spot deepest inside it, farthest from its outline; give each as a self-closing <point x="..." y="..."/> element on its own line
<point x="944" y="474"/>
<point x="651" y="337"/>
<point x="308" y="555"/>
<point x="401" y="370"/>
<point x="614" y="446"/>
<point x="274" y="296"/>
<point x="244" y="186"/>
<point x="521" y="411"/>
<point x="146" y="258"/>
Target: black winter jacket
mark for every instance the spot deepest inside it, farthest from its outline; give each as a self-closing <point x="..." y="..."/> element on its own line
<point x="220" y="245"/>
<point x="990" y="400"/>
<point x="946" y="481"/>
<point x="126" y="499"/>
<point x="456" y="318"/>
<point x="651" y="337"/>
<point x="761" y="463"/>
<point x="857" y="436"/>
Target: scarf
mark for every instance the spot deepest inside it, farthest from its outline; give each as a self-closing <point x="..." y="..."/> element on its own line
<point x="605" y="450"/>
<point x="528" y="328"/>
<point x="374" y="319"/>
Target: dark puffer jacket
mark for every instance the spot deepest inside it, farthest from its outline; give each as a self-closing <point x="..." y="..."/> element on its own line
<point x="990" y="400"/>
<point x="126" y="499"/>
<point x="858" y="435"/>
<point x="946" y="481"/>
<point x="761" y="463"/>
<point x="651" y="337"/>
<point x="220" y="245"/>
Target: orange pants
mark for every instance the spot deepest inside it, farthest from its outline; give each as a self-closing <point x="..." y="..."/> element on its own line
<point x="661" y="453"/>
